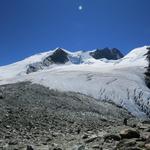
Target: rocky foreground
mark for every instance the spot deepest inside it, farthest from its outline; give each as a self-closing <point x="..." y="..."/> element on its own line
<point x="36" y="118"/>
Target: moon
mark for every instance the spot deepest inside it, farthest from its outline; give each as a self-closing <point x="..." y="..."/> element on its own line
<point x="80" y="7"/>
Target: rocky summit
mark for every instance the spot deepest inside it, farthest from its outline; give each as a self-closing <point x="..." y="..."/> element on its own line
<point x="110" y="54"/>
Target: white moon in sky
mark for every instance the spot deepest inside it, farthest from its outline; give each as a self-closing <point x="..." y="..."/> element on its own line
<point x="80" y="7"/>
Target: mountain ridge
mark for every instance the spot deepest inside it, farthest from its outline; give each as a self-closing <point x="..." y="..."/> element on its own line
<point x="121" y="81"/>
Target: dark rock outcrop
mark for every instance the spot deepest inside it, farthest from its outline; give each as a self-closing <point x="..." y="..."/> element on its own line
<point x="1" y="95"/>
<point x="112" y="136"/>
<point x="29" y="147"/>
<point x="58" y="57"/>
<point x="110" y="54"/>
<point x="147" y="73"/>
<point x="129" y="133"/>
<point x="34" y="67"/>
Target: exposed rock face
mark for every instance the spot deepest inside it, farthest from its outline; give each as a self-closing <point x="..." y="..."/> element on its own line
<point x="110" y="54"/>
<point x="62" y="57"/>
<point x="34" y="67"/>
<point x="58" y="57"/>
<point x="147" y="73"/>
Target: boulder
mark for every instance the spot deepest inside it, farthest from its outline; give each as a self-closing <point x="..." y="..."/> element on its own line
<point x="1" y="95"/>
<point x="147" y="146"/>
<point x="126" y="144"/>
<point x="91" y="139"/>
<point x="112" y="137"/>
<point x="85" y="136"/>
<point x="140" y="144"/>
<point x="145" y="136"/>
<point x="147" y="129"/>
<point x="129" y="133"/>
<point x="79" y="147"/>
<point x="97" y="147"/>
<point x="57" y="148"/>
<point x="29" y="147"/>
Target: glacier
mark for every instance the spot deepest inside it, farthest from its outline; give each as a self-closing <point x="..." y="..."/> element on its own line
<point x="120" y="81"/>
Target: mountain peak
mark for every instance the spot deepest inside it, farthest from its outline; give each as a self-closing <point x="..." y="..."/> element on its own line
<point x="59" y="56"/>
<point x="110" y="54"/>
<point x="59" y="49"/>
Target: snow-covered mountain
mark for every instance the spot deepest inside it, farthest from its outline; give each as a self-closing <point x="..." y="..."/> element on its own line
<point x="103" y="74"/>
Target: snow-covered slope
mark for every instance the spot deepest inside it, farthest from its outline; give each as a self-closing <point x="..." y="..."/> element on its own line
<point x="121" y="81"/>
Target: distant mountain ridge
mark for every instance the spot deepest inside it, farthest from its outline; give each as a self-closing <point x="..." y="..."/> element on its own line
<point x="61" y="56"/>
<point x="122" y="80"/>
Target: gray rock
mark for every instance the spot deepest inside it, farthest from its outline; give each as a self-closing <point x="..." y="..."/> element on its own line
<point x="57" y="148"/>
<point x="91" y="139"/>
<point x="147" y="146"/>
<point x="1" y="95"/>
<point x="97" y="147"/>
<point x="115" y="137"/>
<point x="85" y="136"/>
<point x="125" y="144"/>
<point x="140" y="144"/>
<point x="129" y="133"/>
<point x="29" y="147"/>
<point x="78" y="147"/>
<point x="31" y="113"/>
<point x="13" y="142"/>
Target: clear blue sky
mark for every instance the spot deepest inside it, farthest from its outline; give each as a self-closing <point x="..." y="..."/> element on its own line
<point x="28" y="27"/>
